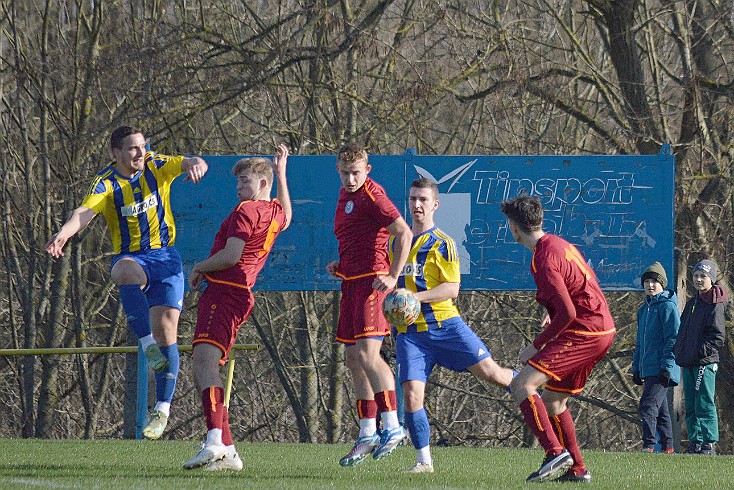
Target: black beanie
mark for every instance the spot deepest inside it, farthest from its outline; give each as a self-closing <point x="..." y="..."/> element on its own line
<point x="656" y="273"/>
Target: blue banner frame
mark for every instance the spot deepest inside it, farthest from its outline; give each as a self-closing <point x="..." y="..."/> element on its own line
<point x="617" y="209"/>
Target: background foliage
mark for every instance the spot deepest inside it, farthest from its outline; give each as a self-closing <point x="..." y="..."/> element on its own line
<point x="239" y="76"/>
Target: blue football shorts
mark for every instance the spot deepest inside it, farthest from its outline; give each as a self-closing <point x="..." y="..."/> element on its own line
<point x="454" y="346"/>
<point x="164" y="269"/>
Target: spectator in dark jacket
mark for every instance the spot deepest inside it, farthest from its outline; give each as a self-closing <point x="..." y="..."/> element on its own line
<point x="700" y="337"/>
<point x="653" y="363"/>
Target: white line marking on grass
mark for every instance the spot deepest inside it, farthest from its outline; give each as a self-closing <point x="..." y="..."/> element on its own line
<point x="39" y="483"/>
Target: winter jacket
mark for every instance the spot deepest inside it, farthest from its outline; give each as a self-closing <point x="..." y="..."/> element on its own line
<point x="657" y="328"/>
<point x="701" y="333"/>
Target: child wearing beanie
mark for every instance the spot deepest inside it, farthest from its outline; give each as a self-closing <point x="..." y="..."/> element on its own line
<point x="696" y="350"/>
<point x="653" y="362"/>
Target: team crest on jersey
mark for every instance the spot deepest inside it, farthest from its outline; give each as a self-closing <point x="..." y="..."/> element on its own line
<point x="140" y="207"/>
<point x="349" y="207"/>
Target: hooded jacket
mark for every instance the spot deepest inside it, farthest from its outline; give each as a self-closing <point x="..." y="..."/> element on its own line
<point x="701" y="333"/>
<point x="657" y="328"/>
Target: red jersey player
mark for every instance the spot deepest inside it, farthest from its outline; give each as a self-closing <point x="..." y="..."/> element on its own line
<point x="240" y="249"/>
<point x="579" y="331"/>
<point x="365" y="218"/>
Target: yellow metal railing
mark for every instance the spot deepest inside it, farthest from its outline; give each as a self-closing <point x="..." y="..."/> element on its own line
<point x="142" y="392"/>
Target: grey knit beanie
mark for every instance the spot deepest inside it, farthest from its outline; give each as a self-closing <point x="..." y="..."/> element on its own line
<point x="709" y="268"/>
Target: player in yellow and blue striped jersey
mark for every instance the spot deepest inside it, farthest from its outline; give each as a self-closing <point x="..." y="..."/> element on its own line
<point x="133" y="194"/>
<point x="439" y="336"/>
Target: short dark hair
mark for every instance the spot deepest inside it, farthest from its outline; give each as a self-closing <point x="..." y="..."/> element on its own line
<point x="424" y="183"/>
<point x="350" y="153"/>
<point x="121" y="133"/>
<point x="525" y="211"/>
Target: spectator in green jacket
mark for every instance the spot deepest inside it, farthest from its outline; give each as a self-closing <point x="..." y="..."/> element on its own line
<point x="700" y="337"/>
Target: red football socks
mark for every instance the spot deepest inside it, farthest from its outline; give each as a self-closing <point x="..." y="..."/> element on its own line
<point x="566" y="432"/>
<point x="536" y="417"/>
<point x="212" y="400"/>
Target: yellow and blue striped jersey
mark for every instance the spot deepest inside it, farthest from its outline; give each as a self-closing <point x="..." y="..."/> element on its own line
<point x="433" y="259"/>
<point x="138" y="209"/>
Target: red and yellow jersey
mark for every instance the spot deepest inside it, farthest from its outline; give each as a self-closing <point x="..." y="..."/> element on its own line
<point x="432" y="260"/>
<point x="360" y="226"/>
<point x="569" y="291"/>
<point x="257" y="223"/>
<point x="138" y="209"/>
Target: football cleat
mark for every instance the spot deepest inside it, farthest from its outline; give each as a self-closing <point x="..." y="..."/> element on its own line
<point x="206" y="455"/>
<point x="421" y="468"/>
<point x="156" y="425"/>
<point x="389" y="439"/>
<point x="156" y="359"/>
<point x="571" y="477"/>
<point x="552" y="467"/>
<point x="361" y="449"/>
<point x="231" y="461"/>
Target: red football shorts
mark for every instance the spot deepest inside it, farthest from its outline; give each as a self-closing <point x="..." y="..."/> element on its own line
<point x="222" y="311"/>
<point x="569" y="358"/>
<point x="360" y="311"/>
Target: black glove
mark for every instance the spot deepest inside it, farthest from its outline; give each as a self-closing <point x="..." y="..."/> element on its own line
<point x="664" y="378"/>
<point x="636" y="378"/>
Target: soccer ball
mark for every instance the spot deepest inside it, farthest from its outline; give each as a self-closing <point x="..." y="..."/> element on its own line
<point x="401" y="308"/>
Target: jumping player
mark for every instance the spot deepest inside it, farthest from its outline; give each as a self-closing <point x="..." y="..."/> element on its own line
<point x="240" y="249"/>
<point x="439" y="335"/>
<point x="133" y="194"/>
<point x="364" y="220"/>
<point x="579" y="331"/>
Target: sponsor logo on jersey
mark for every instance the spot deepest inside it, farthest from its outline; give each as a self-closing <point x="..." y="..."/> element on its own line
<point x="413" y="269"/>
<point x="349" y="207"/>
<point x="140" y="207"/>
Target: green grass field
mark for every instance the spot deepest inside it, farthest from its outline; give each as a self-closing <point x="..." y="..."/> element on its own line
<point x="143" y="464"/>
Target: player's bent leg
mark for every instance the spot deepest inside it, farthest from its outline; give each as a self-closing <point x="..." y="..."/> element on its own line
<point x="562" y="422"/>
<point x="526" y="383"/>
<point x="488" y="370"/>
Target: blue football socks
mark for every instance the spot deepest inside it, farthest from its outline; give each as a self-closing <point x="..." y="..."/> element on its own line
<point x="136" y="309"/>
<point x="419" y="428"/>
<point x="165" y="381"/>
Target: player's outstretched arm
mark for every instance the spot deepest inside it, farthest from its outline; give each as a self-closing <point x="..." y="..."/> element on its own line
<point x="195" y="168"/>
<point x="78" y="220"/>
<point x="280" y="161"/>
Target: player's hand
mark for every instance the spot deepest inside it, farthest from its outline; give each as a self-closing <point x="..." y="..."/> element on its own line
<point x="196" y="279"/>
<point x="384" y="283"/>
<point x="332" y="267"/>
<point x="55" y="245"/>
<point x="280" y="160"/>
<point x="546" y="320"/>
<point x="196" y="170"/>
<point x="527" y="353"/>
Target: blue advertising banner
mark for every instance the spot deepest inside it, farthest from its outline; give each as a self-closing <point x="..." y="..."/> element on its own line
<point x="617" y="210"/>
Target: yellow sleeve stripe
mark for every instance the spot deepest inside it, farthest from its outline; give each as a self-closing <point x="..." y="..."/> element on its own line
<point x="451" y="252"/>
